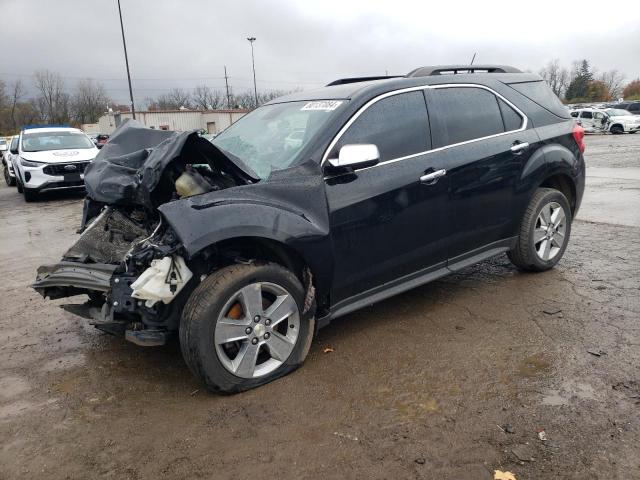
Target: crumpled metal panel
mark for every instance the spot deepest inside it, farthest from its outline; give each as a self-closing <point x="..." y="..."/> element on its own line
<point x="107" y="239"/>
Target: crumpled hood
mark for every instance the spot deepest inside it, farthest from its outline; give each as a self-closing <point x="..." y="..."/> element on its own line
<point x="130" y="166"/>
<point x="61" y="156"/>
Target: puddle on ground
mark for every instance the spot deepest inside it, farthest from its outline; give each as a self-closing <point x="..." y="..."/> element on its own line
<point x="538" y="364"/>
<point x="12" y="386"/>
<point x="569" y="391"/>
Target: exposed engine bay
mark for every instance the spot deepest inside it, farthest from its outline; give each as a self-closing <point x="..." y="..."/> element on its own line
<point x="128" y="262"/>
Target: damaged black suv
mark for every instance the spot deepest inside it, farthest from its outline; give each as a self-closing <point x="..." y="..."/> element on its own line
<point x="315" y="205"/>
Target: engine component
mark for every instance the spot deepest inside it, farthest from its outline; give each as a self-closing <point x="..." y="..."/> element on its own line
<point x="162" y="281"/>
<point x="191" y="183"/>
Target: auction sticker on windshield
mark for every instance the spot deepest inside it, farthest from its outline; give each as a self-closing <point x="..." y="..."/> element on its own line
<point x="323" y="105"/>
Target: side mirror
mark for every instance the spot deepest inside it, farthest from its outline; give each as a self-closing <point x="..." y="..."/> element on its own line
<point x="356" y="156"/>
<point x="14" y="151"/>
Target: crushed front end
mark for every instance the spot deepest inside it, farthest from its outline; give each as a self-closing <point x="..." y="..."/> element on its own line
<point x="128" y="262"/>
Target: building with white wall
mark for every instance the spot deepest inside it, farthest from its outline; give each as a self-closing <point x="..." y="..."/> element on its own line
<point x="212" y="121"/>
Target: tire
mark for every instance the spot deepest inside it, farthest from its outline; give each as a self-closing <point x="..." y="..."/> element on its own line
<point x="635" y="131"/>
<point x="29" y="195"/>
<point x="19" y="186"/>
<point x="531" y="253"/>
<point x="9" y="180"/>
<point x="617" y="130"/>
<point x="204" y="324"/>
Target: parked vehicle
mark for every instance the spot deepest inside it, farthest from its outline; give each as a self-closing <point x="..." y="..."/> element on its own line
<point x="245" y="247"/>
<point x="51" y="158"/>
<point x="101" y="139"/>
<point x="611" y="120"/>
<point x="631" y="107"/>
<point x="3" y="147"/>
<point x="7" y="162"/>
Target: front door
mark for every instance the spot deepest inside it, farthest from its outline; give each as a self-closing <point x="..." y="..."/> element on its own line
<point x="385" y="222"/>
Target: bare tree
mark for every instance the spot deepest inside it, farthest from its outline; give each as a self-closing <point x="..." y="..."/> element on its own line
<point x="18" y="90"/>
<point x="205" y="98"/>
<point x="52" y="101"/>
<point x="179" y="98"/>
<point x="614" y="81"/>
<point x="556" y="76"/>
<point x="89" y="101"/>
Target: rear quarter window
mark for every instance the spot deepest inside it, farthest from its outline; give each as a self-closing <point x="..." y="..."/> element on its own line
<point x="540" y="93"/>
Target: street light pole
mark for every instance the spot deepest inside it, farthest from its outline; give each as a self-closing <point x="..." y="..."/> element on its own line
<point x="126" y="61"/>
<point x="253" y="63"/>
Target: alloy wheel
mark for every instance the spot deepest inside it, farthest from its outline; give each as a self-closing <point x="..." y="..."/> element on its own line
<point x="550" y="230"/>
<point x="257" y="329"/>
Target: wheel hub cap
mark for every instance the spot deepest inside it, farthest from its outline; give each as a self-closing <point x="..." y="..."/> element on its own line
<point x="549" y="232"/>
<point x="257" y="330"/>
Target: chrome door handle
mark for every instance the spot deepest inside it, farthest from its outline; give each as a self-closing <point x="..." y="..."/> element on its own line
<point x="519" y="147"/>
<point x="432" y="178"/>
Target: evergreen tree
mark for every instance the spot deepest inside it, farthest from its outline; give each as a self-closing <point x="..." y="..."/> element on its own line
<point x="579" y="86"/>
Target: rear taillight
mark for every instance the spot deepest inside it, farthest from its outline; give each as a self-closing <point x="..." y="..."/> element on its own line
<point x="578" y="135"/>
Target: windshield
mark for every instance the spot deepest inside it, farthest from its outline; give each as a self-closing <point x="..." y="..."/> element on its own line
<point x="271" y="137"/>
<point x="617" y="112"/>
<point x="42" y="141"/>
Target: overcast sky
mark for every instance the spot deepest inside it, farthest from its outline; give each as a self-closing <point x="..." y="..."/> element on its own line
<point x="303" y="43"/>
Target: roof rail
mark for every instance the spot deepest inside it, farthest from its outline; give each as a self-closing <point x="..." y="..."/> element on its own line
<point x="457" y="69"/>
<point x="342" y="81"/>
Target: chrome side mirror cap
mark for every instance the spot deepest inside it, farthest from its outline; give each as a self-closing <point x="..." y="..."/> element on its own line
<point x="356" y="156"/>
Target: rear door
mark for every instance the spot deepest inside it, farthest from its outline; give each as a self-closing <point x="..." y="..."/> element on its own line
<point x="488" y="144"/>
<point x="385" y="222"/>
<point x="586" y="120"/>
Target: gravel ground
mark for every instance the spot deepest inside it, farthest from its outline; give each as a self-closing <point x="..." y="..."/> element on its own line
<point x="454" y="379"/>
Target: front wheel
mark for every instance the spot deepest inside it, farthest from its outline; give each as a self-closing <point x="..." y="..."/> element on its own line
<point x="544" y="232"/>
<point x="617" y="130"/>
<point x="9" y="180"/>
<point x="246" y="325"/>
<point x="29" y="195"/>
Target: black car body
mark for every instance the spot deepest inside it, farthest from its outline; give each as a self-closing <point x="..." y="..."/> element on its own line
<point x="461" y="157"/>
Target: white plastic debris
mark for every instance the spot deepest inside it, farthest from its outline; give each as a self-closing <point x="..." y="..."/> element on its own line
<point x="162" y="281"/>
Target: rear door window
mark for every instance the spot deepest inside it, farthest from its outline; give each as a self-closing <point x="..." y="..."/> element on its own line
<point x="464" y="113"/>
<point x="398" y="125"/>
<point x="586" y="115"/>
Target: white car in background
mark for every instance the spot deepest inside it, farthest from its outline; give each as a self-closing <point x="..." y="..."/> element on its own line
<point x="613" y="120"/>
<point x="7" y="165"/>
<point x="51" y="158"/>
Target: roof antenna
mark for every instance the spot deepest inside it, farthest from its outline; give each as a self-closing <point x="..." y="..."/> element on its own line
<point x="474" y="57"/>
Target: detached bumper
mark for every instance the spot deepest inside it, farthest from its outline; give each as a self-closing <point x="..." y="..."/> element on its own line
<point x="70" y="278"/>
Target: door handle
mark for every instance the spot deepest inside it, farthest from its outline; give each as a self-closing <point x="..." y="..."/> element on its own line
<point x="432" y="178"/>
<point x="519" y="147"/>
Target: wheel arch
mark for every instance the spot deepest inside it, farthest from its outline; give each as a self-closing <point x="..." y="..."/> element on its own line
<point x="241" y="249"/>
<point x="564" y="184"/>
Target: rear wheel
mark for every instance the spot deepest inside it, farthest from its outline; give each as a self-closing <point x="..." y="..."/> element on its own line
<point x="244" y="326"/>
<point x="544" y="232"/>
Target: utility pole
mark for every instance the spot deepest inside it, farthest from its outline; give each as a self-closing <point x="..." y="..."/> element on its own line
<point x="226" y="82"/>
<point x="474" y="57"/>
<point x="253" y="62"/>
<point x="126" y="60"/>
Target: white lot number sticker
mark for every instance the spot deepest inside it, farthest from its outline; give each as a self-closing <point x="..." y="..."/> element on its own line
<point x="323" y="105"/>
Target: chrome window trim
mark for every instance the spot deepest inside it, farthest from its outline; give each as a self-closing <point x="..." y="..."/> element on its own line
<point x="362" y="109"/>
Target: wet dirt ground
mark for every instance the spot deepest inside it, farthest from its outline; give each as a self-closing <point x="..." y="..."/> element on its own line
<point x="452" y="380"/>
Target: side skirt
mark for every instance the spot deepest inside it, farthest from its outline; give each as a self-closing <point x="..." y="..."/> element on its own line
<point x="416" y="279"/>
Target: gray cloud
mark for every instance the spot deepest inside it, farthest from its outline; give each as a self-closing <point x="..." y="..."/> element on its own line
<point x="300" y="44"/>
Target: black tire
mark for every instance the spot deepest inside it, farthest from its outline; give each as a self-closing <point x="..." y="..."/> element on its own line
<point x="29" y="195"/>
<point x="617" y="130"/>
<point x="19" y="186"/>
<point x="9" y="180"/>
<point x="200" y="316"/>
<point x="635" y="131"/>
<point x="524" y="255"/>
